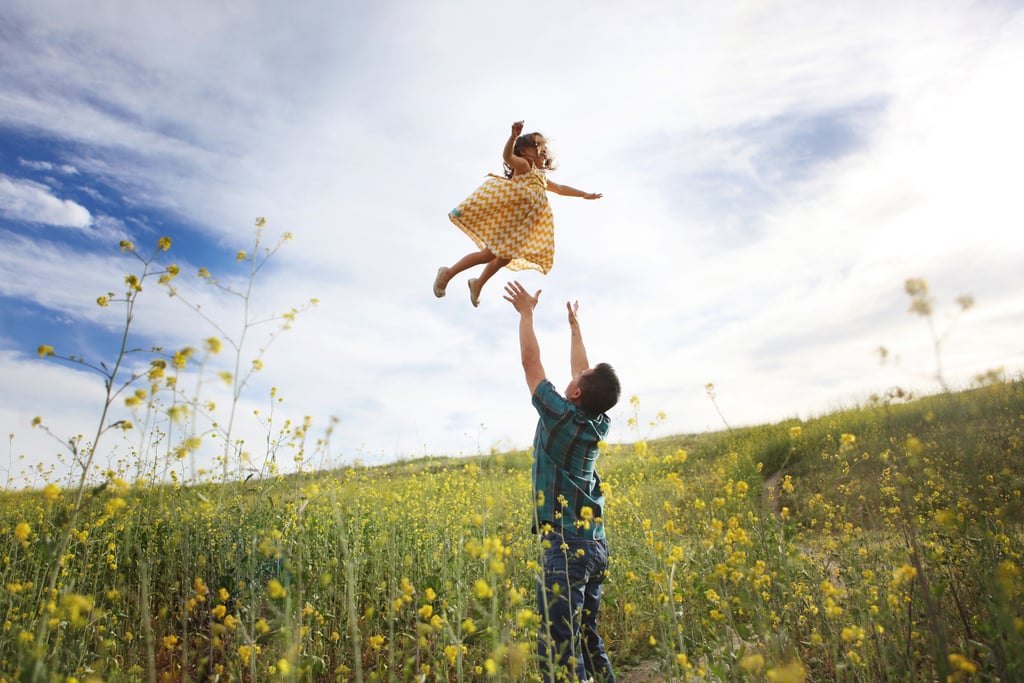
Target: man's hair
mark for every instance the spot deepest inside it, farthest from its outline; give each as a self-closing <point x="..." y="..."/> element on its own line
<point x="599" y="389"/>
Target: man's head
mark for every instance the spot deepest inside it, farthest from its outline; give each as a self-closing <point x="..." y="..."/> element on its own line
<point x="596" y="389"/>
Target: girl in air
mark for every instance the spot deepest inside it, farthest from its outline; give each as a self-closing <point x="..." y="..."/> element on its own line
<point x="509" y="218"/>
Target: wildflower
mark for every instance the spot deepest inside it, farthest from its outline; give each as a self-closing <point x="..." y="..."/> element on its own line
<point x="276" y="590"/>
<point x="241" y="256"/>
<point x="468" y="627"/>
<point x="1008" y="576"/>
<point x="451" y="653"/>
<point x="260" y="221"/>
<point x="164" y="243"/>
<point x="752" y="663"/>
<point x="244" y="653"/>
<point x="257" y="365"/>
<point x="133" y="282"/>
<point x="482" y="589"/>
<point x="795" y="432"/>
<point x="213" y="345"/>
<point x="103" y="301"/>
<point x="283" y="666"/>
<point x="126" y="246"/>
<point x="170" y="642"/>
<point x="790" y="672"/>
<point x="376" y="642"/>
<point x="51" y="492"/>
<point x="961" y="663"/>
<point x="45" y="350"/>
<point x="22" y="531"/>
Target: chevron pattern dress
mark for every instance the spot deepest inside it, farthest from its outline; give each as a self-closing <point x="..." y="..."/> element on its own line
<point x="512" y="218"/>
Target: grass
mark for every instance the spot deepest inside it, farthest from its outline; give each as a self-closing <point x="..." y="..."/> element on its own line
<point x="896" y="555"/>
<point x="888" y="547"/>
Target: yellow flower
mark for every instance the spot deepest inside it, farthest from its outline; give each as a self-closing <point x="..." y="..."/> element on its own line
<point x="22" y="531"/>
<point x="127" y="246"/>
<point x="482" y="589"/>
<point x="376" y="642"/>
<point x="790" y="672"/>
<point x="213" y="345"/>
<point x="241" y="256"/>
<point x="795" y="432"/>
<point x="170" y="642"/>
<point x="103" y="301"/>
<point x="752" y="663"/>
<point x="276" y="590"/>
<point x="962" y="663"/>
<point x="51" y="492"/>
<point x="45" y="350"/>
<point x="164" y="243"/>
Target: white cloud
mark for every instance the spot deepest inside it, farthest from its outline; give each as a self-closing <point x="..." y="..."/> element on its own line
<point x="24" y="200"/>
<point x="704" y="262"/>
<point x="48" y="166"/>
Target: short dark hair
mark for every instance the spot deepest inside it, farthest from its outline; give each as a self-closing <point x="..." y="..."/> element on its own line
<point x="599" y="389"/>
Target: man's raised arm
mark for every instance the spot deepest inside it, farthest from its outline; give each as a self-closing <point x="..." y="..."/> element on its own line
<point x="577" y="352"/>
<point x="517" y="295"/>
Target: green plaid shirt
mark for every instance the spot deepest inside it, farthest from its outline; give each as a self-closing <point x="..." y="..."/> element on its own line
<point x="565" y="452"/>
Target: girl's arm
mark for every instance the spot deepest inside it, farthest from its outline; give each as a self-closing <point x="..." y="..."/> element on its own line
<point x="518" y="165"/>
<point x="567" y="191"/>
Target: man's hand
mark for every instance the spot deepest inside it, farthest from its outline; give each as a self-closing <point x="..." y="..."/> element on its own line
<point x="517" y="295"/>
<point x="578" y="361"/>
<point x="520" y="298"/>
<point x="573" y="309"/>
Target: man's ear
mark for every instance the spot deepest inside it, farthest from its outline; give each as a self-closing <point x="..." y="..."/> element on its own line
<point x="574" y="397"/>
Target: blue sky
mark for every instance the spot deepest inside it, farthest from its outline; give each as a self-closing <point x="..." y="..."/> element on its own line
<point x="772" y="173"/>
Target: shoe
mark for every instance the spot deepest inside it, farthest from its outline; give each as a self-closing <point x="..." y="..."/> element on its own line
<point x="438" y="287"/>
<point x="474" y="295"/>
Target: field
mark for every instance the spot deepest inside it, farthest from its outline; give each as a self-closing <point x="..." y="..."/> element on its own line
<point x="888" y="549"/>
<point x="880" y="543"/>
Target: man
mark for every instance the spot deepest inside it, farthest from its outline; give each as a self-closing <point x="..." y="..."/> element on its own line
<point x="569" y="503"/>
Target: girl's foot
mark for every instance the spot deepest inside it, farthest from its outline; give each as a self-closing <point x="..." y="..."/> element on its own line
<point x="474" y="293"/>
<point x="438" y="287"/>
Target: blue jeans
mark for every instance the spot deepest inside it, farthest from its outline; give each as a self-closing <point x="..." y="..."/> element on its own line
<point x="568" y="597"/>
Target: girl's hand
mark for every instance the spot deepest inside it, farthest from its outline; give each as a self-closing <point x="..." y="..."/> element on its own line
<point x="517" y="128"/>
<point x="592" y="195"/>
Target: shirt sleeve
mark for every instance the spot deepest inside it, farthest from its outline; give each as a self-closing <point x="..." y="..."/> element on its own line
<point x="550" y="405"/>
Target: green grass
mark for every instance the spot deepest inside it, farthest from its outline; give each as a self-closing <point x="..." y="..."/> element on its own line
<point x="896" y="555"/>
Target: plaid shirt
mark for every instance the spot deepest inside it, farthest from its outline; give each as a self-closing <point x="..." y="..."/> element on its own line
<point x="564" y="455"/>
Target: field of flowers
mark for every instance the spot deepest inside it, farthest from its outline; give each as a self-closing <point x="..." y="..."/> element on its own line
<point x="882" y="543"/>
<point x="890" y="549"/>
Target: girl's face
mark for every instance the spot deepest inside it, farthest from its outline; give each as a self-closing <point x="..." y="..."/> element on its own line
<point x="539" y="154"/>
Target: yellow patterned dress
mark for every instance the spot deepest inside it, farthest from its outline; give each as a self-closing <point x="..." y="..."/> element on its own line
<point x="512" y="218"/>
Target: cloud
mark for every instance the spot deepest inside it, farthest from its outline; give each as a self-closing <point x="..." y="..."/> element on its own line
<point x="24" y="200"/>
<point x="48" y="166"/>
<point x="772" y="173"/>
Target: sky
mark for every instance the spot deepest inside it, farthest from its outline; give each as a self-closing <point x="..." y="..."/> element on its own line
<point x="773" y="172"/>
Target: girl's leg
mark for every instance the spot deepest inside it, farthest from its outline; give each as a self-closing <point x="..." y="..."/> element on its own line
<point x="445" y="275"/>
<point x="493" y="266"/>
<point x="476" y="284"/>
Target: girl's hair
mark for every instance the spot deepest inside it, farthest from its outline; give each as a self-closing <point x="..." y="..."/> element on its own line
<point x="528" y="141"/>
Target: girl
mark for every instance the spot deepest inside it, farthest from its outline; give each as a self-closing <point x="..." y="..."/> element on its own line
<point x="509" y="218"/>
